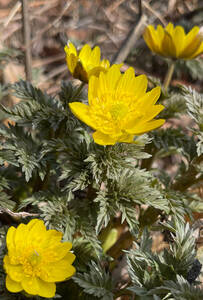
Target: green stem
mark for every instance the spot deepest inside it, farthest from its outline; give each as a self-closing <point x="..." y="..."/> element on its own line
<point x="169" y="75"/>
<point x="79" y="89"/>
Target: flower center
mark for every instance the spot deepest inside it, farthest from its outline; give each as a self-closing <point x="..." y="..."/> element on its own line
<point x="118" y="111"/>
<point x="31" y="264"/>
<point x="34" y="258"/>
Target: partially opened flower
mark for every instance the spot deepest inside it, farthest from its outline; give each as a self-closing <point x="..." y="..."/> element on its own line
<point x="173" y="42"/>
<point x="86" y="63"/>
<point x="36" y="259"/>
<point x="119" y="106"/>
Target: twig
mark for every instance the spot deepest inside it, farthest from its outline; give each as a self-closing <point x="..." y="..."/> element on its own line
<point x="22" y="214"/>
<point x="155" y="13"/>
<point x="42" y="62"/>
<point x="12" y="13"/>
<point x="26" y="36"/>
<point x="130" y="41"/>
<point x="50" y="25"/>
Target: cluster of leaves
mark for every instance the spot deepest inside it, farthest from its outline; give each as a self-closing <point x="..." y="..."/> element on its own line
<point x="51" y="167"/>
<point x="165" y="275"/>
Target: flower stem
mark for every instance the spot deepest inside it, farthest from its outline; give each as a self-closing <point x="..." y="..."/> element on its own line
<point x="169" y="75"/>
<point x="79" y="89"/>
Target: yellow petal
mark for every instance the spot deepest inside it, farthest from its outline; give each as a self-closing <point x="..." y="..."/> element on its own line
<point x="168" y="48"/>
<point x="126" y="138"/>
<point x="103" y="139"/>
<point x="46" y="289"/>
<point x="70" y="48"/>
<point x="145" y="127"/>
<point x="71" y="62"/>
<point x="140" y="86"/>
<point x="36" y="234"/>
<point x="179" y="39"/>
<point x="94" y="58"/>
<point x="198" y="52"/>
<point x="153" y="112"/>
<point x="81" y="111"/>
<point x="14" y="271"/>
<point x="10" y="238"/>
<point x="57" y="271"/>
<point x="56" y="252"/>
<point x="84" y="54"/>
<point x="149" y="99"/>
<point x="160" y="32"/>
<point x="191" y="35"/>
<point x="93" y="89"/>
<point x="21" y="237"/>
<point x="95" y="71"/>
<point x="13" y="286"/>
<point x="170" y="28"/>
<point x="126" y="79"/>
<point x="36" y="286"/>
<point x="192" y="44"/>
<point x="105" y="63"/>
<point x="150" y="38"/>
<point x="109" y="80"/>
<point x="53" y="237"/>
<point x="69" y="258"/>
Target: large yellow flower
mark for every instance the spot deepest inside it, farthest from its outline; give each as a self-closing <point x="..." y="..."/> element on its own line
<point x="173" y="42"/>
<point x="86" y="63"/>
<point x="36" y="259"/>
<point x="119" y="106"/>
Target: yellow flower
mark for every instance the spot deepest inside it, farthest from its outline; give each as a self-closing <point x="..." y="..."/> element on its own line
<point x="86" y="63"/>
<point x="173" y="42"/>
<point x="119" y="106"/>
<point x="36" y="259"/>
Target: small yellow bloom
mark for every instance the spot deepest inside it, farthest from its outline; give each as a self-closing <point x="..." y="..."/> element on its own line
<point x="36" y="259"/>
<point x="119" y="106"/>
<point x="86" y="63"/>
<point x="173" y="42"/>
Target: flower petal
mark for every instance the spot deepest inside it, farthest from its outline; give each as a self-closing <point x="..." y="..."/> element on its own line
<point x="46" y="289"/>
<point x="149" y="99"/>
<point x="145" y="127"/>
<point x="93" y="90"/>
<point x="10" y="238"/>
<point x="21" y="237"/>
<point x="30" y="285"/>
<point x="56" y="252"/>
<point x="94" y="58"/>
<point x="55" y="272"/>
<point x="13" y="286"/>
<point x="71" y="62"/>
<point x="108" y="81"/>
<point x="14" y="271"/>
<point x="36" y="234"/>
<point x="192" y="44"/>
<point x="134" y="86"/>
<point x="84" y="54"/>
<point x="168" y="47"/>
<point x="150" y="38"/>
<point x="103" y="139"/>
<point x="179" y="39"/>
<point x="81" y="111"/>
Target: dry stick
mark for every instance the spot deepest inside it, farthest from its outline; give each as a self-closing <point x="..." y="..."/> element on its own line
<point x="155" y="13"/>
<point x="22" y="214"/>
<point x="12" y="13"/>
<point x="129" y="42"/>
<point x="26" y="36"/>
<point x="50" y="25"/>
